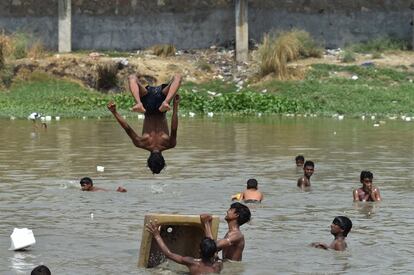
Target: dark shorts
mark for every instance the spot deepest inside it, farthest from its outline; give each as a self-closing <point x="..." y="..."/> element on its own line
<point x="153" y="99"/>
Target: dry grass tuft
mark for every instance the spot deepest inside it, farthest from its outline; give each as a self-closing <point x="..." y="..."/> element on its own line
<point x="277" y="50"/>
<point x="164" y="50"/>
<point x="36" y="50"/>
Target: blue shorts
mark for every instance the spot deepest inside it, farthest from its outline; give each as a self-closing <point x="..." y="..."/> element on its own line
<point x="153" y="99"/>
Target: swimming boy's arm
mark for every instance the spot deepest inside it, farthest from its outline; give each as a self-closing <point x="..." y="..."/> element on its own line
<point x="174" y="122"/>
<point x="375" y="194"/>
<point x="356" y="195"/>
<point x="206" y="220"/>
<point x="131" y="133"/>
<point x="301" y="182"/>
<point x="153" y="228"/>
<point x="229" y="240"/>
<point x="338" y="246"/>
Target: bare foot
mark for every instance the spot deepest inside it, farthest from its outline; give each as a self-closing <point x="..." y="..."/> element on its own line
<point x="164" y="107"/>
<point x="138" y="108"/>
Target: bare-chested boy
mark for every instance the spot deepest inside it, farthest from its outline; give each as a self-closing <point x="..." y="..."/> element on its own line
<point x="308" y="169"/>
<point x="153" y="102"/>
<point x="232" y="244"/>
<point x="368" y="192"/>
<point x="251" y="194"/>
<point x="340" y="228"/>
<point x="208" y="262"/>
<point x="86" y="184"/>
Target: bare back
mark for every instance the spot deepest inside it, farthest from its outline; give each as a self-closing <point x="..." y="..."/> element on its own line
<point x="252" y="194"/>
<point x="199" y="267"/>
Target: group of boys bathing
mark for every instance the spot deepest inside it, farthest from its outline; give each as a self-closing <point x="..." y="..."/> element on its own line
<point x="155" y="138"/>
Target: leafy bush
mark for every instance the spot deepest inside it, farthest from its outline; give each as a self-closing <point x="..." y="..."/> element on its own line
<point x="20" y="45"/>
<point x="347" y="57"/>
<point x="380" y="44"/>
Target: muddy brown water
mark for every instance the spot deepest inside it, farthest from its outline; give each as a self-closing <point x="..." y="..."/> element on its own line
<point x="40" y="172"/>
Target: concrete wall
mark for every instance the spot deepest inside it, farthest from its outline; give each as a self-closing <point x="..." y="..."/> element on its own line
<point x="137" y="24"/>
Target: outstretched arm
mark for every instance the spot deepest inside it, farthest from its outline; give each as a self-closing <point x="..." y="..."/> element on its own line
<point x="154" y="229"/>
<point x="131" y="133"/>
<point x="174" y="122"/>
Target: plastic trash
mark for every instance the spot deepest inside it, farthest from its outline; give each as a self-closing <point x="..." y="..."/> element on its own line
<point x="21" y="238"/>
<point x="100" y="168"/>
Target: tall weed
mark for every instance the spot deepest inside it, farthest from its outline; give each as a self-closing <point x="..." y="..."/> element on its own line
<point x="277" y="50"/>
<point x="164" y="50"/>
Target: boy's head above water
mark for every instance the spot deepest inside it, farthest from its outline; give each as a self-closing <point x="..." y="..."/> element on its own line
<point x="240" y="212"/>
<point x="252" y="184"/>
<point x="309" y="168"/>
<point x="86" y="183"/>
<point x="156" y="162"/>
<point x="299" y="160"/>
<point x="366" y="177"/>
<point x="341" y="224"/>
<point x="208" y="248"/>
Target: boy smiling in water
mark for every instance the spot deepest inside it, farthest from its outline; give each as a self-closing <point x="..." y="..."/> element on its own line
<point x="340" y="228"/>
<point x="308" y="169"/>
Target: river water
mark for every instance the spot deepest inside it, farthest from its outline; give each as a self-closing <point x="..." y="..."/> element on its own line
<point x="39" y="182"/>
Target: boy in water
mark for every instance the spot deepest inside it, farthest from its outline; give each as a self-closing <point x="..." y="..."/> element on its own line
<point x="232" y="244"/>
<point x="340" y="228"/>
<point x="154" y="102"/>
<point x="86" y="184"/>
<point x="251" y="194"/>
<point x="368" y="192"/>
<point x="208" y="262"/>
<point x="308" y="169"/>
<point x="299" y="160"/>
<point x="41" y="270"/>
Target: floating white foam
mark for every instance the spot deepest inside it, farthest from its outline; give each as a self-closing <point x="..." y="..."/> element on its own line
<point x="100" y="168"/>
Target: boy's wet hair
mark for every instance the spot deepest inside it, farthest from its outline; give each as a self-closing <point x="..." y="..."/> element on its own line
<point x="156" y="162"/>
<point x="208" y="248"/>
<point x="309" y="163"/>
<point x="86" y="180"/>
<point x="344" y="223"/>
<point x="300" y="157"/>
<point x="243" y="211"/>
<point x="366" y="174"/>
<point x="41" y="270"/>
<point x="252" y="184"/>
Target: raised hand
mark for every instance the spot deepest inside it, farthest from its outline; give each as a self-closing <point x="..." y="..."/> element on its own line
<point x="111" y="106"/>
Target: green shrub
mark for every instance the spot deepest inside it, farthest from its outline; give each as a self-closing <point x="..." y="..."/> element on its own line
<point x="20" y="45"/>
<point x="308" y="46"/>
<point x="348" y="56"/>
<point x="380" y="44"/>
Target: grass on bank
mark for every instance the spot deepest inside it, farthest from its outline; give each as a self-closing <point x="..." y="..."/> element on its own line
<point x="279" y="49"/>
<point x="326" y="90"/>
